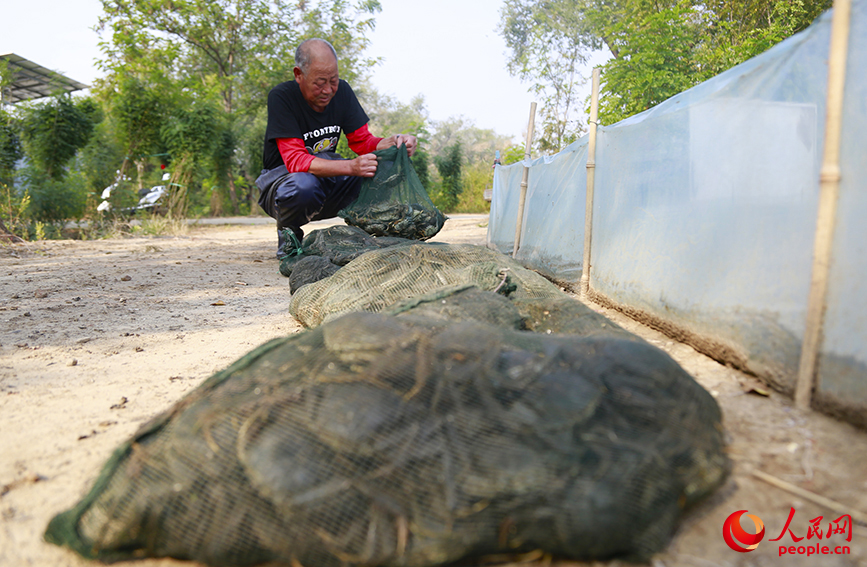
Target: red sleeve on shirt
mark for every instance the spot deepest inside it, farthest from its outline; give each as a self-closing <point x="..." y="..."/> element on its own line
<point x="294" y="154"/>
<point x="362" y="141"/>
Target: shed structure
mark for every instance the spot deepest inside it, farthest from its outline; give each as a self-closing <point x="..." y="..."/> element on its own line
<point x="31" y="81"/>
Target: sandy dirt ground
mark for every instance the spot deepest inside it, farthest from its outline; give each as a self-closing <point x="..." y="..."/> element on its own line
<point x="96" y="337"/>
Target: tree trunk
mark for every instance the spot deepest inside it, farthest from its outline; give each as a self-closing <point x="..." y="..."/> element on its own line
<point x="139" y="166"/>
<point x="177" y="201"/>
<point x="233" y="194"/>
<point x="122" y="171"/>
<point x="216" y="204"/>
<point x="609" y="43"/>
<point x="253" y="196"/>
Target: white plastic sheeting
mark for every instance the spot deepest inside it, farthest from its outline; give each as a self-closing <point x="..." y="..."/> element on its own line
<point x="553" y="211"/>
<point x="705" y="212"/>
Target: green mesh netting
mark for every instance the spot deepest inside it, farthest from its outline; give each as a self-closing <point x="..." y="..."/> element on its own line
<point x="482" y="411"/>
<point x="412" y="440"/>
<point x="562" y="315"/>
<point x="310" y="269"/>
<point x="381" y="278"/>
<point x="394" y="202"/>
<point x="334" y="246"/>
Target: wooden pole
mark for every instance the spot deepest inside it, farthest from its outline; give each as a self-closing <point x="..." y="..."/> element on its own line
<point x="829" y="190"/>
<point x="591" y="180"/>
<point x="523" y="197"/>
<point x="855" y="514"/>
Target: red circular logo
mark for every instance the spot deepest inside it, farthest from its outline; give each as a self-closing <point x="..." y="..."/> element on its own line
<point x="739" y="539"/>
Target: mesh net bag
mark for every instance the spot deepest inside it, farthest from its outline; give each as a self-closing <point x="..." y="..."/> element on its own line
<point x="461" y="303"/>
<point x="338" y="245"/>
<point x="562" y="315"/>
<point x="310" y="269"/>
<point x="381" y="278"/>
<point x="411" y="441"/>
<point x="394" y="202"/>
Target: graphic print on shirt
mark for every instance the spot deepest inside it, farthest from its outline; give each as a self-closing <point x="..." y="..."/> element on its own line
<point x="316" y="143"/>
<point x="326" y="145"/>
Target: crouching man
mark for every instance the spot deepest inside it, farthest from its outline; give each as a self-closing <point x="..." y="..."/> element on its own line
<point x="304" y="178"/>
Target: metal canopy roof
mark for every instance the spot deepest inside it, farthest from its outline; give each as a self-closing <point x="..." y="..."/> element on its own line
<point x="30" y="81"/>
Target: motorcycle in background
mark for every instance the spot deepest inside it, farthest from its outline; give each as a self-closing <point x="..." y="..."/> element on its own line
<point x="150" y="199"/>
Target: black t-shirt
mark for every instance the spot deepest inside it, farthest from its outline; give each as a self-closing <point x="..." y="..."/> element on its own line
<point x="289" y="116"/>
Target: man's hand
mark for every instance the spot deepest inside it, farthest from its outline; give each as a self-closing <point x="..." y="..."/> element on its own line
<point x="364" y="166"/>
<point x="408" y="139"/>
<point x="398" y="139"/>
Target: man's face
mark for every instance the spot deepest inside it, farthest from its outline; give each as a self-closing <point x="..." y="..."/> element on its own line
<point x="319" y="84"/>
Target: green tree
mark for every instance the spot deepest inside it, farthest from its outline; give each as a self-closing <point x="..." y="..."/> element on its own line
<point x="658" y="48"/>
<point x="513" y="154"/>
<point x="222" y="152"/>
<point x="54" y="200"/>
<point x="54" y="131"/>
<point x="137" y="109"/>
<point x="477" y="144"/>
<point x="251" y="135"/>
<point x="475" y="178"/>
<point x="389" y="116"/>
<point x="739" y="30"/>
<point x="549" y="41"/>
<point x="188" y="135"/>
<point x="450" y="165"/>
<point x="421" y="165"/>
<point x="655" y="58"/>
<point x="98" y="161"/>
<point x="10" y="147"/>
<point x="229" y="47"/>
<point x="463" y="155"/>
<point x="12" y="205"/>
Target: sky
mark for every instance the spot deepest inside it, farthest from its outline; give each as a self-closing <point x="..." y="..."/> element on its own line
<point x="446" y="50"/>
<point x="56" y="34"/>
<point x="450" y="52"/>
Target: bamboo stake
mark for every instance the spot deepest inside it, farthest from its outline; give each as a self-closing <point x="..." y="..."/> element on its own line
<point x="523" y="197"/>
<point x="591" y="181"/>
<point x="828" y="195"/>
<point x="856" y="515"/>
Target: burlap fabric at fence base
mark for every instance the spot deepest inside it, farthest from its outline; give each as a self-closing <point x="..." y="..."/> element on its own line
<point x="381" y="278"/>
<point x="472" y="440"/>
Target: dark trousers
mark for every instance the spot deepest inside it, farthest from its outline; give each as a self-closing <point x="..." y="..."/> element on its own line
<point x="295" y="199"/>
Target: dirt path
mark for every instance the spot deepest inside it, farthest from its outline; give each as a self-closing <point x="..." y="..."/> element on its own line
<point x="97" y="337"/>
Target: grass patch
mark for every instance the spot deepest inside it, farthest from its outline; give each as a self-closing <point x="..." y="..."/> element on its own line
<point x="157" y="225"/>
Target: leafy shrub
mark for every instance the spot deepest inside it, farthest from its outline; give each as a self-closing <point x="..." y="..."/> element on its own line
<point x="55" y="200"/>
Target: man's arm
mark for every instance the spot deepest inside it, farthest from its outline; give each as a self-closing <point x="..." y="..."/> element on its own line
<point x="362" y="141"/>
<point x="362" y="166"/>
<point x="297" y="159"/>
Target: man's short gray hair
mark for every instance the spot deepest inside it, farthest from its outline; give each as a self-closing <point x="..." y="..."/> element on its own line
<point x="303" y="55"/>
